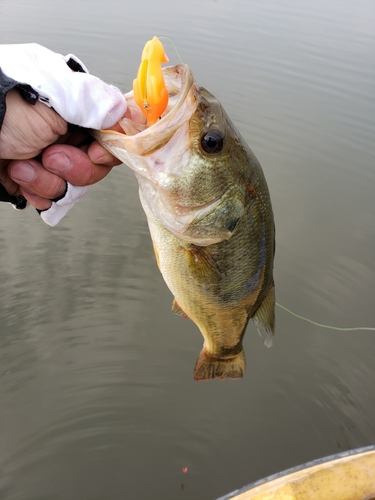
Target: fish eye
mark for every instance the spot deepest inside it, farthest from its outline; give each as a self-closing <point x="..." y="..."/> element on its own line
<point x="212" y="141"/>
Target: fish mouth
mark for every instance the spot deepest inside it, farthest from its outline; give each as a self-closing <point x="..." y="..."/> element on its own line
<point x="178" y="80"/>
<point x="141" y="140"/>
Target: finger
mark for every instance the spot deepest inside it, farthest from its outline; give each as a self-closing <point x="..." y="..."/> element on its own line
<point x="36" y="201"/>
<point x="75" y="165"/>
<point x="31" y="175"/>
<point x="11" y="187"/>
<point x="100" y="156"/>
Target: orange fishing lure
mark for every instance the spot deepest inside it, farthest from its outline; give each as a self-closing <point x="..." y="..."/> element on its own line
<point x="150" y="91"/>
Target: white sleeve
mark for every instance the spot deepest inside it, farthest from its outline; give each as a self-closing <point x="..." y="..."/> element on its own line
<point x="63" y="83"/>
<point x="60" y="208"/>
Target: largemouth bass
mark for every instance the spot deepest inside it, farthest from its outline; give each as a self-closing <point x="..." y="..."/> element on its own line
<point x="210" y="218"/>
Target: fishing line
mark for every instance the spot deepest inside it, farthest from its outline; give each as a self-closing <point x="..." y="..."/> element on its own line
<point x="341" y="329"/>
<point x="174" y="46"/>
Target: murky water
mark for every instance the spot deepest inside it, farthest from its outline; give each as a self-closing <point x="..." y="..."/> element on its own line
<point x="97" y="397"/>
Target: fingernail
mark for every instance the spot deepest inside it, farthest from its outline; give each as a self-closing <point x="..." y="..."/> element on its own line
<point x="22" y="172"/>
<point x="102" y="158"/>
<point x="58" y="162"/>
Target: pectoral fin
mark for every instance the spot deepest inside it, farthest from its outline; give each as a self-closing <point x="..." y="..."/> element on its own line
<point x="264" y="318"/>
<point x="201" y="264"/>
<point x="156" y="255"/>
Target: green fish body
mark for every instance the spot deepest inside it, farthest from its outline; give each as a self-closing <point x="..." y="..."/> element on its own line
<point x="210" y="217"/>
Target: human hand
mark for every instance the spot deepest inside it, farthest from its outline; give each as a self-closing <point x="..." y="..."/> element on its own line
<point x="27" y="130"/>
<point x="45" y="180"/>
<point x="37" y="154"/>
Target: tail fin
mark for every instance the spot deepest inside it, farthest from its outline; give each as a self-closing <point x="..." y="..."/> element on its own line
<point x="207" y="367"/>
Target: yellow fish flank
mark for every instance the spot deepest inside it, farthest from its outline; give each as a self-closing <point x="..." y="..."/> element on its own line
<point x="210" y="218"/>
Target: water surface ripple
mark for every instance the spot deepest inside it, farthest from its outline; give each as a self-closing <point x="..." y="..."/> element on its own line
<point x="97" y="394"/>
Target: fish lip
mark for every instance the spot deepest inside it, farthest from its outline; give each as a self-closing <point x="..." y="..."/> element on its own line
<point x="199" y="210"/>
<point x="183" y="88"/>
<point x="194" y="214"/>
<point x="180" y="82"/>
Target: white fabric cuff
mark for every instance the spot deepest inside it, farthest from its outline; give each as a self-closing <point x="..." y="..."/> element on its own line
<point x="60" y="208"/>
<point x="80" y="98"/>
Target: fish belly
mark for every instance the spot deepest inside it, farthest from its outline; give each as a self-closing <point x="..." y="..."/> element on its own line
<point x="217" y="287"/>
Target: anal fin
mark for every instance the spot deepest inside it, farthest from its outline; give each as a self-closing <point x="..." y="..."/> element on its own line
<point x="264" y="318"/>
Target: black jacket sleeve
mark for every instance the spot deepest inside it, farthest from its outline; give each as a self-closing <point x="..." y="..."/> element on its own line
<point x="28" y="93"/>
<point x="6" y="84"/>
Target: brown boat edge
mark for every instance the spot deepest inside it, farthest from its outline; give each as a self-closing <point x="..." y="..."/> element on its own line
<point x="349" y="475"/>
